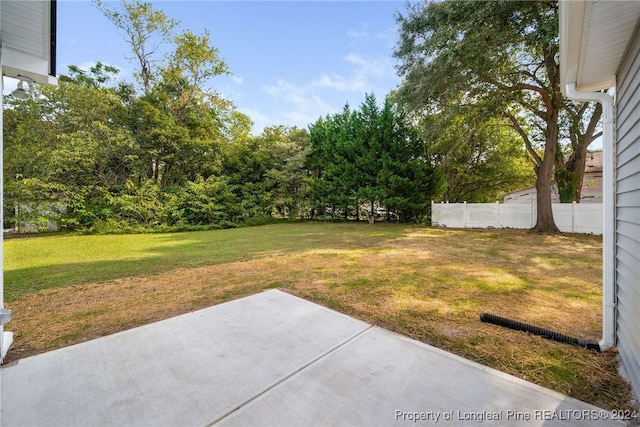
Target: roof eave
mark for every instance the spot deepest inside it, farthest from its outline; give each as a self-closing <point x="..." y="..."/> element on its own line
<point x="575" y="26"/>
<point x="570" y="40"/>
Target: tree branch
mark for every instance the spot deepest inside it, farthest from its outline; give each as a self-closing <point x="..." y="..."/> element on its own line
<point x="520" y="86"/>
<point x="527" y="142"/>
<point x="593" y="122"/>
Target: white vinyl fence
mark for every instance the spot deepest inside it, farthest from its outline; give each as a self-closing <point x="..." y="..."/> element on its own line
<point x="570" y="217"/>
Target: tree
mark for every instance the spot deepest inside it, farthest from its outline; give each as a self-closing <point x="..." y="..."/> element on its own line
<point x="287" y="177"/>
<point x="118" y="155"/>
<point x="481" y="158"/>
<point x="503" y="54"/>
<point x="581" y="130"/>
<point x="178" y="122"/>
<point x="409" y="179"/>
<point x="370" y="125"/>
<point x="333" y="160"/>
<point x="93" y="144"/>
<point x="71" y="149"/>
<point x="145" y="29"/>
<point x="246" y="164"/>
<point x="371" y="158"/>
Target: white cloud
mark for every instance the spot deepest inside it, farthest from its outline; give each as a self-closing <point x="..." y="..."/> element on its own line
<point x="357" y="34"/>
<point x="260" y="120"/>
<point x="288" y="118"/>
<point x="337" y="82"/>
<point x="286" y="90"/>
<point x="365" y="75"/>
<point x="300" y="119"/>
<point x="377" y="67"/>
<point x="364" y="36"/>
<point x="302" y="103"/>
<point x="230" y="86"/>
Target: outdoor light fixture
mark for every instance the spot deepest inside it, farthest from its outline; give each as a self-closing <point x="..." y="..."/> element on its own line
<point x="35" y="93"/>
<point x="22" y="93"/>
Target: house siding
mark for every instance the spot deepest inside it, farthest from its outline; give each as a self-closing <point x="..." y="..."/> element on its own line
<point x="28" y="38"/>
<point x="23" y="27"/>
<point x="591" y="191"/>
<point x="627" y="238"/>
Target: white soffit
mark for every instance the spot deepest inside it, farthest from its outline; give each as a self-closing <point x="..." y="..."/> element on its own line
<point x="611" y="26"/>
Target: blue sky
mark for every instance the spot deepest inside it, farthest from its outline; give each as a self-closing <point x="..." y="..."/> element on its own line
<point x="292" y="61"/>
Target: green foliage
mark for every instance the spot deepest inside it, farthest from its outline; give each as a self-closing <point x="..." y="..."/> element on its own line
<point x="287" y="177"/>
<point x="502" y="55"/>
<point x="207" y="201"/>
<point x="145" y="29"/>
<point x="31" y="205"/>
<point x="569" y="183"/>
<point x="119" y="159"/>
<point x="106" y="155"/>
<point x="370" y="159"/>
<point x="143" y="205"/>
<point x="481" y="157"/>
<point x="581" y="128"/>
<point x="98" y="158"/>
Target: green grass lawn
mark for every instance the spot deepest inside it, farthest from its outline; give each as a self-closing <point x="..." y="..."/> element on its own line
<point x="427" y="283"/>
<point x="37" y="263"/>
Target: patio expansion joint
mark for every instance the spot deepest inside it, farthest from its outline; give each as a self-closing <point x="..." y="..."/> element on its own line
<point x="287" y="377"/>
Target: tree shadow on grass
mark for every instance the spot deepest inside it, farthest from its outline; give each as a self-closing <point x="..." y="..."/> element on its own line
<point x="191" y="250"/>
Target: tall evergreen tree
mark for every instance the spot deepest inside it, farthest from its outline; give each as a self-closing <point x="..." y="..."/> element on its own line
<point x="371" y="158"/>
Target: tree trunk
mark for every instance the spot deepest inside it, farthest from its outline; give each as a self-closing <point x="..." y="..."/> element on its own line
<point x="578" y="165"/>
<point x="545" y="222"/>
<point x="544" y="170"/>
<point x="372" y="213"/>
<point x="570" y="174"/>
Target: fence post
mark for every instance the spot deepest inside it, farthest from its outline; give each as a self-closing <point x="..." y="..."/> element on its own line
<point x="531" y="214"/>
<point x="433" y="212"/>
<point x="466" y="216"/>
<point x="498" y="214"/>
<point x="574" y="217"/>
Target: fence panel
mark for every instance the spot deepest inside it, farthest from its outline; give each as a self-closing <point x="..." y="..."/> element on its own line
<point x="483" y="215"/>
<point x="563" y="216"/>
<point x="590" y="219"/>
<point x="449" y="215"/>
<point x="517" y="216"/>
<point x="569" y="217"/>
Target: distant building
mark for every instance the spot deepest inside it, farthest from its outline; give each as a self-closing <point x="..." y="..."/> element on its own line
<point x="591" y="185"/>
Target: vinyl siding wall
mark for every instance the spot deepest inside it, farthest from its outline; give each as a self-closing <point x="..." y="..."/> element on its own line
<point x="23" y="27"/>
<point x="627" y="236"/>
<point x="27" y="34"/>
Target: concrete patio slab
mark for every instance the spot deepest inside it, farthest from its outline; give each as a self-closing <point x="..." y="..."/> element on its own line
<point x="271" y="359"/>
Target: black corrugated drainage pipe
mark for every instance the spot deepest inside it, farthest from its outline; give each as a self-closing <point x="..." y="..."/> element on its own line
<point x="546" y="333"/>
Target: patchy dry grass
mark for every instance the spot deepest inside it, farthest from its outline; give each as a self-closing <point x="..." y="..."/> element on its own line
<point x="426" y="283"/>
